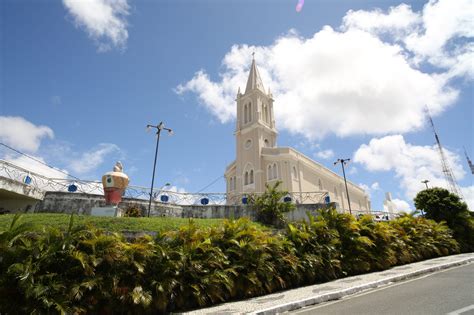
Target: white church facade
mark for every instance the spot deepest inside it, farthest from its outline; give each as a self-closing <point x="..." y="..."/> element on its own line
<point x="260" y="161"/>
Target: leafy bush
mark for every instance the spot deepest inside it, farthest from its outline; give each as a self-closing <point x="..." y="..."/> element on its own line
<point x="133" y="212"/>
<point x="82" y="269"/>
<point x="269" y="207"/>
<point x="441" y="205"/>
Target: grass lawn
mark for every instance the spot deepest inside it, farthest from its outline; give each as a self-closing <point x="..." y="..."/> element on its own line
<point x="106" y="223"/>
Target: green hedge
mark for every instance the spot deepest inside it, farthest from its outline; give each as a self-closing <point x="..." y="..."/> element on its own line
<point x="86" y="270"/>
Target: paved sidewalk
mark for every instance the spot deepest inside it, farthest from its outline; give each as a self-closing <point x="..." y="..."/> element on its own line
<point x="296" y="298"/>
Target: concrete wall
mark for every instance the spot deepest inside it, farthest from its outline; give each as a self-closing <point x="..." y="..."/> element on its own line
<point x="62" y="202"/>
<point x="18" y="197"/>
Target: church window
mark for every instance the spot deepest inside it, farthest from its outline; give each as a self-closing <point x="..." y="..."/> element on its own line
<point x="269" y="172"/>
<point x="335" y="192"/>
<point x="274" y="167"/>
<point x="251" y="177"/>
<point x="248" y="143"/>
<point x="250" y="112"/>
<point x="246" y="182"/>
<point x="295" y="173"/>
<point x="265" y="113"/>
<point x="245" y="113"/>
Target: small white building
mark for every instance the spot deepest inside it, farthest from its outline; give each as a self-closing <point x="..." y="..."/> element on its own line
<point x="259" y="161"/>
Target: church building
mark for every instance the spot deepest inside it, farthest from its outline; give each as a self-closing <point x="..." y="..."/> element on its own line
<point x="260" y="161"/>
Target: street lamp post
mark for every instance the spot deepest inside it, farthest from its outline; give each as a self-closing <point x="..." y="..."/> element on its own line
<point x="426" y="183"/>
<point x="343" y="162"/>
<point x="159" y="128"/>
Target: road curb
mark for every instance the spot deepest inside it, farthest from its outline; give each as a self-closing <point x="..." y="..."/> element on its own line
<point x="337" y="294"/>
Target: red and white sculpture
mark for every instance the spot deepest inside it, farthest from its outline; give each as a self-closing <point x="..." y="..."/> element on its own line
<point x="114" y="184"/>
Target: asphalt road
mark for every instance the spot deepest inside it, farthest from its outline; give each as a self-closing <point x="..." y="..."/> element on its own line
<point x="446" y="292"/>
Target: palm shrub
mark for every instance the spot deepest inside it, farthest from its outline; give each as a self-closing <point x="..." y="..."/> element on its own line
<point x="382" y="235"/>
<point x="261" y="262"/>
<point x="197" y="272"/>
<point x="86" y="270"/>
<point x="355" y="249"/>
<point x="269" y="207"/>
<point x="318" y="249"/>
<point x="420" y="238"/>
<point x="75" y="271"/>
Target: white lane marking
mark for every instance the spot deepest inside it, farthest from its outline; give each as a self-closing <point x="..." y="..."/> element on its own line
<point x="462" y="310"/>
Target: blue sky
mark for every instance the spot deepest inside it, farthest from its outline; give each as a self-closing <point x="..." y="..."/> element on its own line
<point x="80" y="80"/>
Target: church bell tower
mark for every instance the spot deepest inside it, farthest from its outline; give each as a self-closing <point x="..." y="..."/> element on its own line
<point x="255" y="130"/>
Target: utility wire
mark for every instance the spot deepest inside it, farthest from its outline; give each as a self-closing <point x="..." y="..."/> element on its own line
<point x="212" y="183"/>
<point x="39" y="161"/>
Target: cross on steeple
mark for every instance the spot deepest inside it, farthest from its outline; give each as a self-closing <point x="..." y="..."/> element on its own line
<point x="253" y="55"/>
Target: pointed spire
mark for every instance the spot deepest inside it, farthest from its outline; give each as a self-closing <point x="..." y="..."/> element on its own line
<point x="254" y="81"/>
<point x="238" y="92"/>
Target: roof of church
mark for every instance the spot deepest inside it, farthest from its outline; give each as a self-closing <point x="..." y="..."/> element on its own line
<point x="254" y="81"/>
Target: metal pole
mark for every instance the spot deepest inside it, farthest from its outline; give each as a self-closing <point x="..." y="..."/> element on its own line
<point x="345" y="182"/>
<point x="426" y="183"/>
<point x="154" y="166"/>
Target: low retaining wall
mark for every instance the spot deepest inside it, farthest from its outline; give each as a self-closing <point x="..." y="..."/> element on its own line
<point x="80" y="203"/>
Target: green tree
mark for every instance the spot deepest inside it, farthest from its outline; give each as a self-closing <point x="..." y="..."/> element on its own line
<point x="441" y="205"/>
<point x="270" y="207"/>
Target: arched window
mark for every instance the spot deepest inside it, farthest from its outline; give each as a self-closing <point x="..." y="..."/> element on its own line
<point x="269" y="172"/>
<point x="335" y="192"/>
<point x="275" y="175"/>
<point x="245" y="113"/>
<point x="251" y="177"/>
<point x="295" y="173"/>
<point x="246" y="182"/>
<point x="265" y="113"/>
<point x="250" y="112"/>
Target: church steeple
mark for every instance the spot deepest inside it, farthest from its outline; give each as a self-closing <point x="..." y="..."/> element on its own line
<point x="254" y="81"/>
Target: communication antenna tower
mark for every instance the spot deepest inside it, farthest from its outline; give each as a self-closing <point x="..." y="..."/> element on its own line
<point x="471" y="166"/>
<point x="448" y="173"/>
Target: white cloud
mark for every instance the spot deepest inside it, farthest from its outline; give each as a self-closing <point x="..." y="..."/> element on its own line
<point x="399" y="205"/>
<point x="354" y="81"/>
<point x="353" y="170"/>
<point x="104" y="20"/>
<point x="325" y="154"/>
<point x="444" y="22"/>
<point x="468" y="193"/>
<point x="437" y="35"/>
<point x="375" y="186"/>
<point x="398" y="19"/>
<point x="411" y="163"/>
<point x="90" y="160"/>
<point x="36" y="167"/>
<point x="22" y="134"/>
<point x="370" y="189"/>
